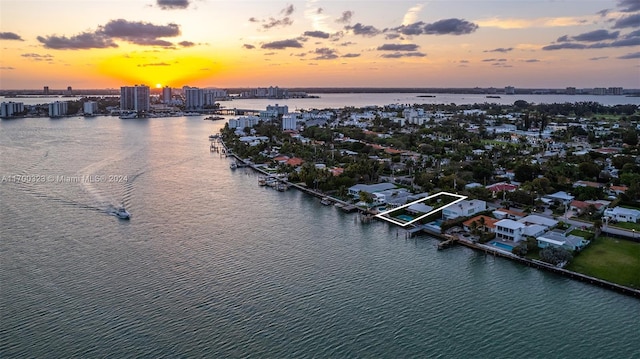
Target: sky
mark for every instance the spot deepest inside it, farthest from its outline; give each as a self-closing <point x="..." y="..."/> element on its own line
<point x="89" y="44"/>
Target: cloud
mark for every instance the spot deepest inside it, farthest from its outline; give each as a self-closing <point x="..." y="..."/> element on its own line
<point x="348" y="43"/>
<point x="629" y="5"/>
<point x="346" y="17"/>
<point x="544" y="22"/>
<point x="139" y="30"/>
<point x="398" y="47"/>
<point x="397" y="55"/>
<point x="282" y="44"/>
<point x="500" y="49"/>
<point x="186" y="44"/>
<point x="442" y="27"/>
<point x="450" y="27"/>
<point x="411" y="14"/>
<point x="7" y="68"/>
<point x="416" y="28"/>
<point x="598" y="58"/>
<point x="277" y="22"/>
<point x="83" y="41"/>
<point x="273" y="22"/>
<point x="173" y="4"/>
<point x="38" y="57"/>
<point x="325" y="53"/>
<point x="154" y="64"/>
<point x="634" y="55"/>
<point x="532" y="60"/>
<point x="351" y="55"/>
<point x="565" y="45"/>
<point x="628" y="21"/>
<point x="494" y="60"/>
<point x="318" y="34"/>
<point x="248" y="46"/>
<point x="364" y="30"/>
<point x="597" y="35"/>
<point x="287" y="11"/>
<point x="10" y="36"/>
<point x="392" y="36"/>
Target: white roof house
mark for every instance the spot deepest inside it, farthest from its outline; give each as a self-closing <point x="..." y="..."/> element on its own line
<point x="555" y="239"/>
<point x="509" y="229"/>
<point x="622" y="214"/>
<point x="539" y="220"/>
<point x="464" y="209"/>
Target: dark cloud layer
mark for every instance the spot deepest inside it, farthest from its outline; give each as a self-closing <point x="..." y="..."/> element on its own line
<point x="83" y="41"/>
<point x="628" y="21"/>
<point x="140" y="33"/>
<point x="629" y="5"/>
<point x="318" y="34"/>
<point x="597" y="35"/>
<point x="10" y="36"/>
<point x="173" y="4"/>
<point x="248" y="46"/>
<point x="364" y="30"/>
<point x="325" y="53"/>
<point x="397" y="55"/>
<point x="500" y="49"/>
<point x="563" y="43"/>
<point x="442" y="27"/>
<point x="450" y="27"/>
<point x="282" y="44"/>
<point x="139" y="30"/>
<point x="398" y="47"/>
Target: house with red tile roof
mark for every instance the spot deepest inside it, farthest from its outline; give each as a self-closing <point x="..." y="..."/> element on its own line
<point x="295" y="161"/>
<point x="484" y="223"/>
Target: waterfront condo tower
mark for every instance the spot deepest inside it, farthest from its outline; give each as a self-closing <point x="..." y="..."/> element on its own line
<point x="135" y="98"/>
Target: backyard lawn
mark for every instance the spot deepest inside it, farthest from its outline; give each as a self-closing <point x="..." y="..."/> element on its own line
<point x="611" y="259"/>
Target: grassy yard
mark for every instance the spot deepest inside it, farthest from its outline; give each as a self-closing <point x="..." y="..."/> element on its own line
<point x="614" y="260"/>
<point x="627" y="225"/>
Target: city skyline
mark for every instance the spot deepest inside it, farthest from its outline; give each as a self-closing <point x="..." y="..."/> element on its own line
<point x="206" y="43"/>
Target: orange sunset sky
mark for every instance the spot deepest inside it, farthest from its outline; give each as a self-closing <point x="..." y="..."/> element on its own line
<point x="315" y="43"/>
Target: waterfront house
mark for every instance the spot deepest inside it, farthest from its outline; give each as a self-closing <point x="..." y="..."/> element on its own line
<point x="483" y="223"/>
<point x="510" y="230"/>
<point x="354" y="191"/>
<point x="464" y="208"/>
<point x="622" y="214"/>
<point x="501" y="187"/>
<point x="559" y="240"/>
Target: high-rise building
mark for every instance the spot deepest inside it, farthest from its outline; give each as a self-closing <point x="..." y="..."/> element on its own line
<point x="570" y="90"/>
<point x="45" y="91"/>
<point x="166" y="94"/>
<point x="90" y="108"/>
<point x="509" y="90"/>
<point x="7" y="109"/>
<point x="135" y="98"/>
<point x="57" y="109"/>
<point x="193" y="98"/>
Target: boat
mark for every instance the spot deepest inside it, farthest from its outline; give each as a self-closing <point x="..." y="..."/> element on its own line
<point x="214" y="137"/>
<point x="213" y="118"/>
<point x="325" y="201"/>
<point x="262" y="181"/>
<point x="491" y="96"/>
<point x="122" y="213"/>
<point x="130" y="115"/>
<point x="233" y="165"/>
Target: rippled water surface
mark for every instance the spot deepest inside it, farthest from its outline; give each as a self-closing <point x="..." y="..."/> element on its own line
<point x="212" y="265"/>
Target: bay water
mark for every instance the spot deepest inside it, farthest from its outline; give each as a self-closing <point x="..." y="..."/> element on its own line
<point x="211" y="265"/>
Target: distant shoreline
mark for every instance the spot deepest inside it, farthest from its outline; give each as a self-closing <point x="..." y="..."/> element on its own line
<point x="316" y="90"/>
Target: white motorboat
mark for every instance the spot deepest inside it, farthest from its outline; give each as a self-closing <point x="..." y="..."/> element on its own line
<point x="122" y="213"/>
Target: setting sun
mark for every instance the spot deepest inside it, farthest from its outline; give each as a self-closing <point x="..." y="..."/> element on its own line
<point x="158" y="86"/>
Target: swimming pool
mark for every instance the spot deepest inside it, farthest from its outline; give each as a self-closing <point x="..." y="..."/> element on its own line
<point x="405" y="217"/>
<point x="502" y="246"/>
